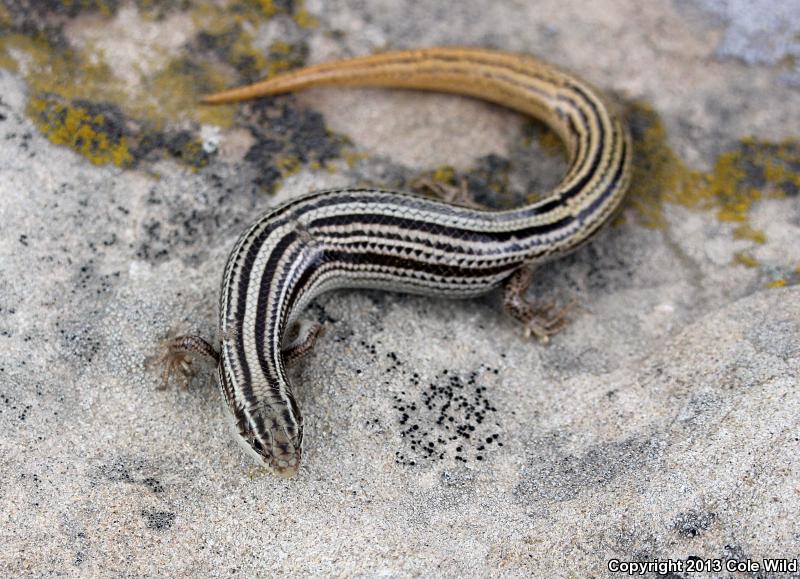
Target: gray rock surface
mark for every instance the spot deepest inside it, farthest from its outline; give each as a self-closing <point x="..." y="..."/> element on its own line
<point x="662" y="423"/>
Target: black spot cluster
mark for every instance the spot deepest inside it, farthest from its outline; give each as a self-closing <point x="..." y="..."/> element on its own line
<point x="158" y="520"/>
<point x="451" y="418"/>
<point x="22" y="410"/>
<point x="119" y="471"/>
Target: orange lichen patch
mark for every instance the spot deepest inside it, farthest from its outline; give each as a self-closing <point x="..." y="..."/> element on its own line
<point x="78" y="129"/>
<point x="777" y="283"/>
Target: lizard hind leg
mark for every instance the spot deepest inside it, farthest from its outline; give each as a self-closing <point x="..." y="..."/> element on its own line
<point x="306" y="336"/>
<point x="177" y="355"/>
<point x="458" y="194"/>
<point x="540" y="320"/>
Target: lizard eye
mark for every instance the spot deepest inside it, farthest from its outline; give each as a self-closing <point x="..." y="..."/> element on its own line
<point x="256" y="444"/>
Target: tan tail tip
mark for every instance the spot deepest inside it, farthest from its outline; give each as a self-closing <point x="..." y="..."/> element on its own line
<point x="212" y="99"/>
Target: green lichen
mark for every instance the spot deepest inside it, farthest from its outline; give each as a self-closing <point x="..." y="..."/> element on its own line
<point x="81" y="130"/>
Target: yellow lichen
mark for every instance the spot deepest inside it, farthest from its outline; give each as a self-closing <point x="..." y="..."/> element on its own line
<point x="303" y="18"/>
<point x="723" y="185"/>
<point x="173" y="93"/>
<point x="7" y="62"/>
<point x="777" y="283"/>
<point x="104" y="8"/>
<point x="551" y="142"/>
<point x="281" y="58"/>
<point x="169" y="95"/>
<point x="218" y="18"/>
<point x="64" y="72"/>
<point x="192" y="154"/>
<point x="659" y="175"/>
<point x="5" y="16"/>
<point x="351" y="157"/>
<point x="745" y="231"/>
<point x="268" y="8"/>
<point x="280" y="47"/>
<point x="288" y="165"/>
<point x="245" y="57"/>
<point x="444" y="174"/>
<point x="745" y="259"/>
<point x="750" y="172"/>
<point x="77" y="128"/>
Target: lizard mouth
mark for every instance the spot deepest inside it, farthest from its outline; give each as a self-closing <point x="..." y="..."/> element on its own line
<point x="285" y="467"/>
<point x="283" y="460"/>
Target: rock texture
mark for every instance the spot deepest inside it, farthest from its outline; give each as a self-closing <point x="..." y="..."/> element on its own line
<point x="661" y="424"/>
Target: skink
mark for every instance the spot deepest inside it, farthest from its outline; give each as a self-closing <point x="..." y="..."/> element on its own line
<point x="372" y="238"/>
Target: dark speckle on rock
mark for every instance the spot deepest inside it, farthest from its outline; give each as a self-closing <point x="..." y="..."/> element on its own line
<point x="693" y="523"/>
<point x="158" y="520"/>
<point x="287" y="137"/>
<point x="554" y="474"/>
